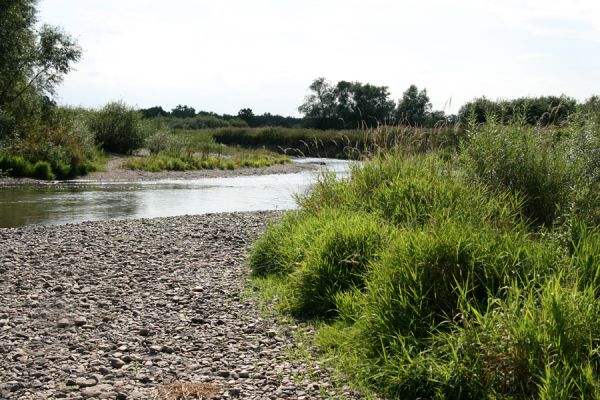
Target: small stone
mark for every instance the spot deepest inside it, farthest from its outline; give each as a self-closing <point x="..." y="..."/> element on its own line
<point x="80" y="321"/>
<point x="63" y="323"/>
<point x="144" y="332"/>
<point x="271" y="333"/>
<point x="85" y="382"/>
<point x="155" y="349"/>
<point x="98" y="390"/>
<point x="116" y="363"/>
<point x="244" y="374"/>
<point x="223" y="373"/>
<point x="198" y="320"/>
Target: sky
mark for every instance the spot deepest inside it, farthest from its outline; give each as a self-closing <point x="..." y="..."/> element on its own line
<point x="225" y="55"/>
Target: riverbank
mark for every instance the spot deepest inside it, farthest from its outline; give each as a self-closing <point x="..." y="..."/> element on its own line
<point x="114" y="172"/>
<point x="137" y="308"/>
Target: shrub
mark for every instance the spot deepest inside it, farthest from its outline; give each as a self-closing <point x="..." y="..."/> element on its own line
<point x="336" y="261"/>
<point x="43" y="170"/>
<point x="117" y="128"/>
<point x="15" y="165"/>
<point x="524" y="160"/>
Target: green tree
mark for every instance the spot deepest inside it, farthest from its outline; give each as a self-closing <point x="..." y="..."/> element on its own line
<point x="247" y="115"/>
<point x="347" y="104"/>
<point x="183" y="112"/>
<point x="319" y="106"/>
<point x="414" y="107"/>
<point x="33" y="61"/>
<point x="152" y="112"/>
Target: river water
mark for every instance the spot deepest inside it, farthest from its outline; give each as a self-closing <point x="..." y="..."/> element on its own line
<point x="71" y="202"/>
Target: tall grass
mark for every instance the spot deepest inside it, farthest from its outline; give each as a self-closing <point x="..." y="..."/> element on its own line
<point x="453" y="274"/>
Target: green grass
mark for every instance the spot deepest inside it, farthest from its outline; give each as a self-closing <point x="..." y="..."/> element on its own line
<point x="452" y="275"/>
<point x="166" y="162"/>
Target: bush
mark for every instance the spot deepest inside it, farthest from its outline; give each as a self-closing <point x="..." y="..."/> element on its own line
<point x="43" y="170"/>
<point x="336" y="260"/>
<point x="15" y="165"/>
<point x="117" y="128"/>
<point x="163" y="141"/>
<point x="523" y="160"/>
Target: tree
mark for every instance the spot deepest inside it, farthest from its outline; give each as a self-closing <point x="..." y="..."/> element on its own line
<point x="247" y="115"/>
<point x="152" y="112"/>
<point x="319" y="107"/>
<point x="414" y="107"/>
<point x="32" y="62"/>
<point x="183" y="112"/>
<point x="348" y="104"/>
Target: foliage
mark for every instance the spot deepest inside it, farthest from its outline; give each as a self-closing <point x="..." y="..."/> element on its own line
<point x="117" y="127"/>
<point x="152" y="112"/>
<point x="182" y="111"/>
<point x="544" y="110"/>
<point x="457" y="294"/>
<point x="346" y="105"/>
<point x="185" y="162"/>
<point x="414" y="106"/>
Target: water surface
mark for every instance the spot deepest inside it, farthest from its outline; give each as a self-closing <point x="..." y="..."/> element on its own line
<point x="71" y="202"/>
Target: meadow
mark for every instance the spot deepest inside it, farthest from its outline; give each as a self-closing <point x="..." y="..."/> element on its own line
<point x="449" y="269"/>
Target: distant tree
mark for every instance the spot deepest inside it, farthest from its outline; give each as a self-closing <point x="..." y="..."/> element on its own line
<point x="347" y="104"/>
<point x="182" y="111"/>
<point x="319" y="106"/>
<point x="543" y="110"/>
<point x="156" y="111"/>
<point x="478" y="110"/>
<point x="247" y="115"/>
<point x="359" y="105"/>
<point x="414" y="107"/>
<point x="33" y="61"/>
<point x="591" y="105"/>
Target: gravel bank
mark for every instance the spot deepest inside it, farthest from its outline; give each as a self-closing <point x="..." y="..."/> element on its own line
<point x="142" y="309"/>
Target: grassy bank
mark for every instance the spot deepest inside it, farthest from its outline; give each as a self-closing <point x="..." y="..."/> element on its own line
<point x="182" y="162"/>
<point x="351" y="144"/>
<point x="472" y="274"/>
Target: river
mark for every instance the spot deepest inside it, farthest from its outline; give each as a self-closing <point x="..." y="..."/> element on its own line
<point x="72" y="202"/>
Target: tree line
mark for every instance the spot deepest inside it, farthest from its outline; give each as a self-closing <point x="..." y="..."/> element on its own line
<point x="357" y="105"/>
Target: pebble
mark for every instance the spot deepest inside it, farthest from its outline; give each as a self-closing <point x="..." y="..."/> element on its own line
<point x="155" y="302"/>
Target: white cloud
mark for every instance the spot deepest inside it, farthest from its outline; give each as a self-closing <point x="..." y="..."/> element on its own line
<point x="228" y="54"/>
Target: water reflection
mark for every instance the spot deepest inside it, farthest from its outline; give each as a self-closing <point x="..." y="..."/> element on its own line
<point x="77" y="202"/>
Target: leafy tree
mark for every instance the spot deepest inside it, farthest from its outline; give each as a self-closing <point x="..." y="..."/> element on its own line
<point x="152" y="112"/>
<point x="33" y="61"/>
<point x="247" y="115"/>
<point x="347" y="104"/>
<point x="319" y="107"/>
<point x="183" y="112"/>
<point x="414" y="107"/>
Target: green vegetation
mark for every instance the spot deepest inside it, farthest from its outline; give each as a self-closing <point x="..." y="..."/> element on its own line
<point x="469" y="271"/>
<point x="166" y="162"/>
<point x="117" y="128"/>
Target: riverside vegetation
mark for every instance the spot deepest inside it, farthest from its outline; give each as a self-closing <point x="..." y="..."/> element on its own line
<point x="464" y="272"/>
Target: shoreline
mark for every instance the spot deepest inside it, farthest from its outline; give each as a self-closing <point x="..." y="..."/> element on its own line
<point x="114" y="173"/>
<point x="122" y="309"/>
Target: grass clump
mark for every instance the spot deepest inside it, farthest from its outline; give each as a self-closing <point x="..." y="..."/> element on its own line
<point x="453" y="277"/>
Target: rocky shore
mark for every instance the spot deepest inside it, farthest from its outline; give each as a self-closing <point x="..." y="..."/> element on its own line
<point x="148" y="309"/>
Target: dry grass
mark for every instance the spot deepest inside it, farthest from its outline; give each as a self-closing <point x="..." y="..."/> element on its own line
<point x="186" y="391"/>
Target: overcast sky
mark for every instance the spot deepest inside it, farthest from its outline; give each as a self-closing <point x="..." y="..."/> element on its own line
<point x="224" y="55"/>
